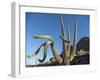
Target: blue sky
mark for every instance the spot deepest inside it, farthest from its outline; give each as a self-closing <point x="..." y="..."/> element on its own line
<point x="49" y="24"/>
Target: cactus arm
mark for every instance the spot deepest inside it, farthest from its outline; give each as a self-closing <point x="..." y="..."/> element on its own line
<point x="44" y="56"/>
<point x="67" y="41"/>
<point x="64" y="43"/>
<point x="50" y="41"/>
<point x="68" y="47"/>
<point x="68" y="33"/>
<point x="74" y="42"/>
<point x="56" y="55"/>
<point x="45" y="51"/>
<point x="43" y="37"/>
<point x="62" y="25"/>
<point x="33" y="55"/>
<point x="38" y="50"/>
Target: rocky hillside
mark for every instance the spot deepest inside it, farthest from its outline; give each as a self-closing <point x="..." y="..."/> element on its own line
<point x="83" y="44"/>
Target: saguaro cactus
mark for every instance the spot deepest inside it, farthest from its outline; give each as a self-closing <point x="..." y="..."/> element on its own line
<point x="66" y="43"/>
<point x="68" y="54"/>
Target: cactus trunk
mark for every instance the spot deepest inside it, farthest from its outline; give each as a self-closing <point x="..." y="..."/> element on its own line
<point x="65" y="56"/>
<point x="68" y="47"/>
